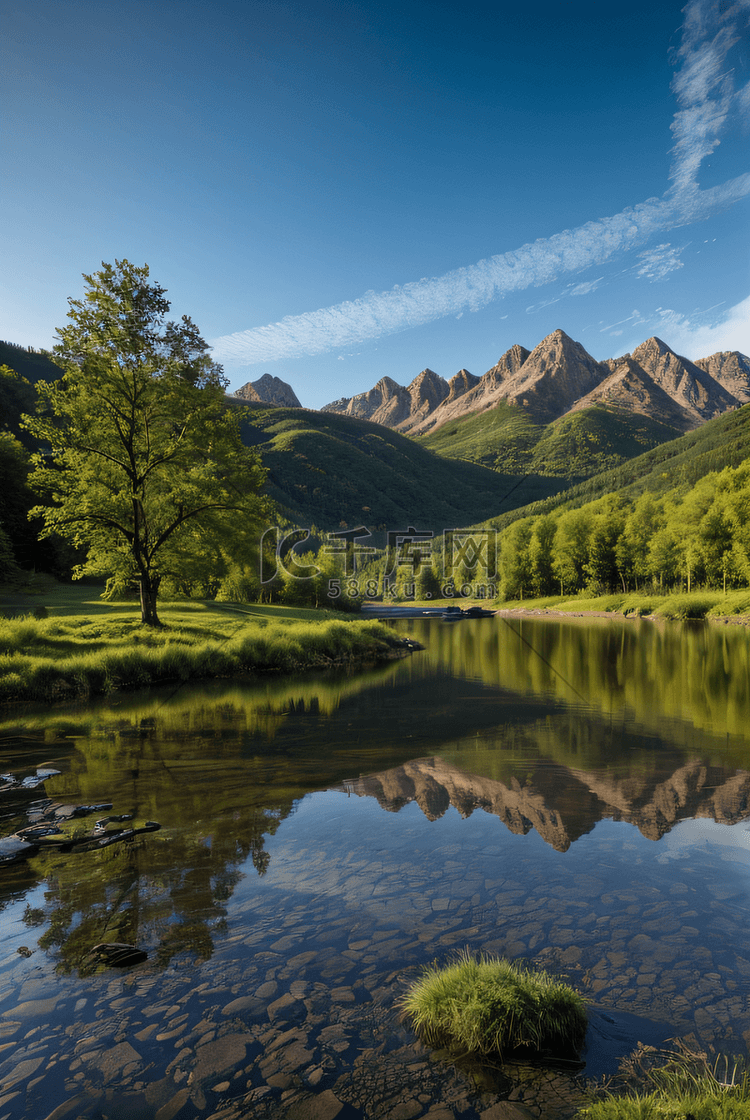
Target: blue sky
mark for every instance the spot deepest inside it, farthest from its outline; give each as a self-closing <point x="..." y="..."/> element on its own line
<point x="339" y="191"/>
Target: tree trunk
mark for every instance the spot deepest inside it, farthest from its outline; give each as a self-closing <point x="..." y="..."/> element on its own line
<point x="149" y="589"/>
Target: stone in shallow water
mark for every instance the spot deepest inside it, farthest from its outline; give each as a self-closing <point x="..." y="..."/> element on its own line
<point x="323" y="1106"/>
<point x="612" y="1035"/>
<point x="67" y="1107"/>
<point x="33" y="1008"/>
<point x="173" y="1106"/>
<point x="267" y="990"/>
<point x="21" y="1072"/>
<point x="405" y="1110"/>
<point x="215" y="1057"/>
<point x="295" y="1056"/>
<point x="302" y="959"/>
<point x="286" y="1009"/>
<point x="246" y="1006"/>
<point x="343" y="995"/>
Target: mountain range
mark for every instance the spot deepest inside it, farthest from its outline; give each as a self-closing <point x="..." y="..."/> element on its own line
<point x="485" y="447"/>
<point x="536" y="424"/>
<point x="558" y="378"/>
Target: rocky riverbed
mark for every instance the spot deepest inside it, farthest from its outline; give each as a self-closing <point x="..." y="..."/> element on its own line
<point x="295" y="1013"/>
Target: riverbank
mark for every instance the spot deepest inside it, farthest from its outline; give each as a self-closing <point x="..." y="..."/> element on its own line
<point x="713" y="606"/>
<point x="74" y="646"/>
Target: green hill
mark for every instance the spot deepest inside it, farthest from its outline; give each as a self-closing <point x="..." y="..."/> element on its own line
<point x="327" y="469"/>
<point x="17" y="393"/>
<point x="34" y="365"/>
<point x="674" y="465"/>
<point x="330" y="470"/>
<point x="571" y="448"/>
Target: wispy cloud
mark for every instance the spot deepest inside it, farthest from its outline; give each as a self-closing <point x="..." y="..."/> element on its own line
<point x="696" y="337"/>
<point x="659" y="262"/>
<point x="704" y="331"/>
<point x="706" y="99"/>
<point x="585" y="288"/>
<point x="704" y="90"/>
<point x="616" y="329"/>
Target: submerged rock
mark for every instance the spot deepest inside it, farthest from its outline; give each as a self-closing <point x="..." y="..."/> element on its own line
<point x="118" y="954"/>
<point x="45" y="831"/>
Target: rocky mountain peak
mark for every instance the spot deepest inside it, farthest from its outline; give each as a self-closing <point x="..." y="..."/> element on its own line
<point x="460" y="384"/>
<point x="428" y="386"/>
<point x="388" y="388"/>
<point x="271" y="390"/>
<point x="373" y="404"/>
<point x="248" y="392"/>
<point x="687" y="383"/>
<point x="629" y="388"/>
<point x="554" y="376"/>
<point x="653" y="346"/>
<point x="731" y="369"/>
<point x="560" y="376"/>
<point x="507" y="366"/>
<point x="421" y="397"/>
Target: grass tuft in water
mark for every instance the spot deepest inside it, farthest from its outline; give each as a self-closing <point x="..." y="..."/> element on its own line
<point x="485" y="1005"/>
<point x="675" y="1086"/>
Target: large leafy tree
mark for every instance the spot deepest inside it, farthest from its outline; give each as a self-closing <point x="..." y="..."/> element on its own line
<point x="142" y="464"/>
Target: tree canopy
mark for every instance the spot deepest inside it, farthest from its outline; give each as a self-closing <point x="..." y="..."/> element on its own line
<point x="142" y="465"/>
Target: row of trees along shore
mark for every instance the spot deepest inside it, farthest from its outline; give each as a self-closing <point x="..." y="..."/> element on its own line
<point x="699" y="538"/>
<point x="696" y="538"/>
<point x="684" y="539"/>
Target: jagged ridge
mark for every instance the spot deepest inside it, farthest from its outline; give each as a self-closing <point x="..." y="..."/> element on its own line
<point x="560" y="377"/>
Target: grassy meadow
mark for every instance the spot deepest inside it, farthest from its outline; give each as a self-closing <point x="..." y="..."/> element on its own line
<point x="63" y="642"/>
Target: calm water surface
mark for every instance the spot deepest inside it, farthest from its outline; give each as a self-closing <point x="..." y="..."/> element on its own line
<point x="575" y="793"/>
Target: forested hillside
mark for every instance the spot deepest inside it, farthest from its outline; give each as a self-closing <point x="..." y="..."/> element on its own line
<point x="19" y="544"/>
<point x="677" y="464"/>
<point x="677" y="515"/>
<point x="31" y="364"/>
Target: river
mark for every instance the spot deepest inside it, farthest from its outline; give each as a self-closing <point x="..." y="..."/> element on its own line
<point x="574" y="793"/>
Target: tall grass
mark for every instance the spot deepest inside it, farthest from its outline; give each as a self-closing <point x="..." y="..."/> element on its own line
<point x="680" y="1085"/>
<point x="485" y="1005"/>
<point x="71" y="657"/>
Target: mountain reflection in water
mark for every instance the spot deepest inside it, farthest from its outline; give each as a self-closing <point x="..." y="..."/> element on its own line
<point x="586" y="740"/>
<point x="559" y="803"/>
